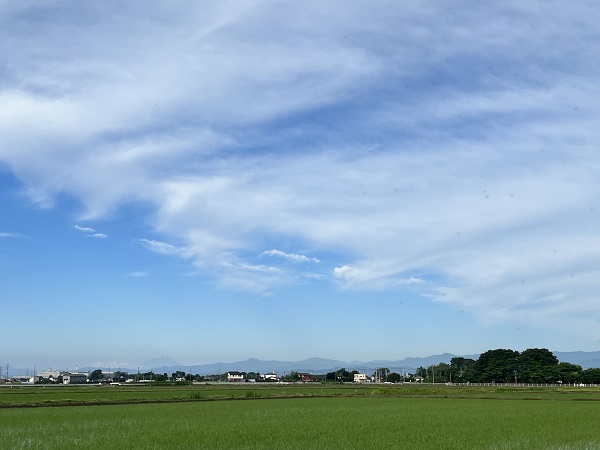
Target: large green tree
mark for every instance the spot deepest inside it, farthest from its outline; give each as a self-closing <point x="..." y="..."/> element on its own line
<point x="590" y="376"/>
<point x="462" y="369"/>
<point x="96" y="375"/>
<point x="498" y="366"/>
<point x="568" y="373"/>
<point x="537" y="365"/>
<point x="394" y="377"/>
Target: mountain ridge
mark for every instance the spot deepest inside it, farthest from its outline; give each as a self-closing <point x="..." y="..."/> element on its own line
<point x="317" y="365"/>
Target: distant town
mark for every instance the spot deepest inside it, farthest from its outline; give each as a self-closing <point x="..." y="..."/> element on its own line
<point x="100" y="376"/>
<point x="532" y="366"/>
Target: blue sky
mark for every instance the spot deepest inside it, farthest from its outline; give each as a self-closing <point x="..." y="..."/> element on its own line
<point x="220" y="180"/>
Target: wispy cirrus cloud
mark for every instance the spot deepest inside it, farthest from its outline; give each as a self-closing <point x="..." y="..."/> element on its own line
<point x="449" y="150"/>
<point x="165" y="248"/>
<point x="7" y="235"/>
<point x="289" y="256"/>
<point x="138" y="274"/>
<point x="90" y="232"/>
<point x="85" y="229"/>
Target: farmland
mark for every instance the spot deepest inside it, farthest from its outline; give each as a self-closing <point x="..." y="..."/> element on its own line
<point x="299" y="416"/>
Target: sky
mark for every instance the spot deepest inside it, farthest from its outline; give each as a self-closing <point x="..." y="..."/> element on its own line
<point x="221" y="180"/>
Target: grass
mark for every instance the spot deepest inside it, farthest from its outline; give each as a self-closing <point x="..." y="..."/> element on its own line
<point x="82" y="395"/>
<point x="318" y="417"/>
<point x="368" y="422"/>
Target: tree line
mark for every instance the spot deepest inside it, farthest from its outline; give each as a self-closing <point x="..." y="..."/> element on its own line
<point x="534" y="365"/>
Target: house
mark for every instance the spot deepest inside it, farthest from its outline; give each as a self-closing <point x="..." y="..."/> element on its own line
<point x="50" y="374"/>
<point x="304" y="376"/>
<point x="234" y="376"/>
<point x="75" y="378"/>
<point x="360" y="378"/>
<point x="272" y="376"/>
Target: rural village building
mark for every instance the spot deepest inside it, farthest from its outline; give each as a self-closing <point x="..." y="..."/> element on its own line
<point x="304" y="376"/>
<point x="234" y="376"/>
<point x="360" y="378"/>
<point x="75" y="378"/>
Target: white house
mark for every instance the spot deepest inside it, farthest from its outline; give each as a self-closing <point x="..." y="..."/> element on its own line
<point x="234" y="376"/>
<point x="360" y="378"/>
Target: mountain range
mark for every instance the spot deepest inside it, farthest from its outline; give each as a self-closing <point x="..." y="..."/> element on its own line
<point x="321" y="365"/>
<point x="164" y="364"/>
<point x="311" y="365"/>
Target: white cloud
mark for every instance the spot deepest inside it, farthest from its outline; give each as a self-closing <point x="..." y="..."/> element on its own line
<point x="344" y="272"/>
<point x="166" y="249"/>
<point x="428" y="147"/>
<point x="258" y="279"/>
<point x="138" y="274"/>
<point x="412" y="280"/>
<point x="375" y="276"/>
<point x="85" y="229"/>
<point x="98" y="235"/>
<point x="290" y="256"/>
<point x="90" y="232"/>
<point x="9" y="235"/>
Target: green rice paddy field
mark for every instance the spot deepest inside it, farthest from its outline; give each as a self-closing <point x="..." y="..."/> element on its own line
<point x="299" y="417"/>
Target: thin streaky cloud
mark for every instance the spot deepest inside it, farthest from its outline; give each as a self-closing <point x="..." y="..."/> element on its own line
<point x="6" y="235"/>
<point x="290" y="256"/>
<point x="138" y="274"/>
<point x="85" y="229"/>
<point x="98" y="235"/>
<point x="165" y="248"/>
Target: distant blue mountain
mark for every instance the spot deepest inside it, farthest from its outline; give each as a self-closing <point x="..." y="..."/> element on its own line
<point x="159" y="361"/>
<point x="321" y="365"/>
<point x="586" y="360"/>
<point x="311" y="365"/>
<point x="164" y="364"/>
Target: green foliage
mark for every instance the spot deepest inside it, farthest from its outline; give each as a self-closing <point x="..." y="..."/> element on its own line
<point x="382" y="391"/>
<point x="179" y="374"/>
<point x="119" y="376"/>
<point x="195" y="395"/>
<point x="341" y="375"/>
<point x="394" y="377"/>
<point x="497" y="366"/>
<point x="537" y="365"/>
<point x="568" y="373"/>
<point x="292" y="376"/>
<point x="590" y="376"/>
<point x="252" y="394"/>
